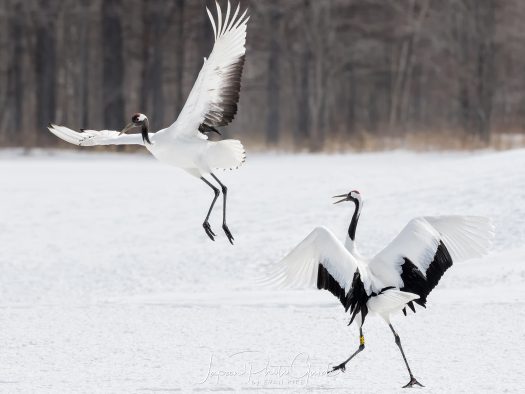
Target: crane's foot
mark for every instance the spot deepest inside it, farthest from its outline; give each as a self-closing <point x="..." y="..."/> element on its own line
<point x="228" y="233"/>
<point x="341" y="367"/>
<point x="413" y="382"/>
<point x="208" y="230"/>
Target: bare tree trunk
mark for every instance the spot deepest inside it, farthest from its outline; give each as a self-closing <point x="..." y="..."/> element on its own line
<point x="45" y="69"/>
<point x="15" y="88"/>
<point x="302" y="131"/>
<point x="485" y="20"/>
<point x="156" y="17"/>
<point x="350" y="95"/>
<point x="273" y="78"/>
<point x="404" y="63"/>
<point x="113" y="70"/>
<point x="84" y="64"/>
<point x="181" y="52"/>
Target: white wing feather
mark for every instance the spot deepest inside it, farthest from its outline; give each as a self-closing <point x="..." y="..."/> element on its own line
<point x="95" y="137"/>
<point x="465" y="237"/>
<point x="215" y="92"/>
<point x="300" y="267"/>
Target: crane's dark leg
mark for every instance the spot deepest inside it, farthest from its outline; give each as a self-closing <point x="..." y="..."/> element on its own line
<point x="206" y="225"/>
<point x="361" y="347"/>
<point x="224" y="195"/>
<point x="413" y="380"/>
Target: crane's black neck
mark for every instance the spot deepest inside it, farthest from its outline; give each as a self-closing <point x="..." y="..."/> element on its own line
<point x="145" y="132"/>
<point x="355" y="219"/>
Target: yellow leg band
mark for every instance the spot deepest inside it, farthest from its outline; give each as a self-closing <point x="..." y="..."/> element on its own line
<point x="361" y="340"/>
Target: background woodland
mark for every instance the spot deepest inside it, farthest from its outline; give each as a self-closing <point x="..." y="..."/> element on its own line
<point x="320" y="75"/>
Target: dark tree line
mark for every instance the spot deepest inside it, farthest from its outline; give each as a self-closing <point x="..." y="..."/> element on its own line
<point x="319" y="73"/>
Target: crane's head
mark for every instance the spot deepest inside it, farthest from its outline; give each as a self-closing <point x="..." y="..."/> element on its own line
<point x="354" y="196"/>
<point x="139" y="120"/>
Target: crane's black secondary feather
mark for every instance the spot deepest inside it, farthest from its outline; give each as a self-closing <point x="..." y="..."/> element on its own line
<point x="442" y="262"/>
<point x="415" y="282"/>
<point x="356" y="298"/>
<point x="223" y="111"/>
<point x="204" y="129"/>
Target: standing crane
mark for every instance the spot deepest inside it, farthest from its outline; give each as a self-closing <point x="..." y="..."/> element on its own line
<point x="211" y="103"/>
<point x="401" y="275"/>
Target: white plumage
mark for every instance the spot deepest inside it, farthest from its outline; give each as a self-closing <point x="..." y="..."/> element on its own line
<point x="402" y="274"/>
<point x="299" y="269"/>
<point x="211" y="103"/>
<point x="465" y="237"/>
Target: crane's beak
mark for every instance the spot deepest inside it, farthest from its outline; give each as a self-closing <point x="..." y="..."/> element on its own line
<point x="127" y="128"/>
<point x="341" y="195"/>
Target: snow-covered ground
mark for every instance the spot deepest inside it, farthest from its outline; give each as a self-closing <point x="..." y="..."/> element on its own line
<point x="109" y="284"/>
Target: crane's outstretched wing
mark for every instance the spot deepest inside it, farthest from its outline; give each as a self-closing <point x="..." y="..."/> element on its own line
<point x="213" y="99"/>
<point x="94" y="137"/>
<point x="418" y="257"/>
<point x="322" y="261"/>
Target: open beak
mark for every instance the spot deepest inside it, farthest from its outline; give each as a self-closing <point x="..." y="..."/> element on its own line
<point x="341" y="195"/>
<point x="128" y="127"/>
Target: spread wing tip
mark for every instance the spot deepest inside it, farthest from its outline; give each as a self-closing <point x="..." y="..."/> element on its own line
<point x="221" y="27"/>
<point x="65" y="134"/>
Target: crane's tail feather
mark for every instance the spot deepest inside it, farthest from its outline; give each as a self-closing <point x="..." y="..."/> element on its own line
<point x="227" y="154"/>
<point x="390" y="301"/>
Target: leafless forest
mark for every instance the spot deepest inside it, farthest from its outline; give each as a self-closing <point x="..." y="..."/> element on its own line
<point x="320" y="74"/>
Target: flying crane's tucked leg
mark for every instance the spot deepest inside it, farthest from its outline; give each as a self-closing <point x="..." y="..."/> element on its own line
<point x="361" y="347"/>
<point x="413" y="380"/>
<point x="206" y="224"/>
<point x="224" y="194"/>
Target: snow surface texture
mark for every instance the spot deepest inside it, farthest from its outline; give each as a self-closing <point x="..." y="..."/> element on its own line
<point x="109" y="283"/>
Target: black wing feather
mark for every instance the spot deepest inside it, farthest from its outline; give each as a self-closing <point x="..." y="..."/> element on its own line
<point x="356" y="298"/>
<point x="204" y="129"/>
<point x="223" y="112"/>
<point x="415" y="282"/>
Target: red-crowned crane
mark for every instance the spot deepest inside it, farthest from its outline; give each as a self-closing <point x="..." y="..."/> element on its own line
<point x="403" y="273"/>
<point x="212" y="103"/>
